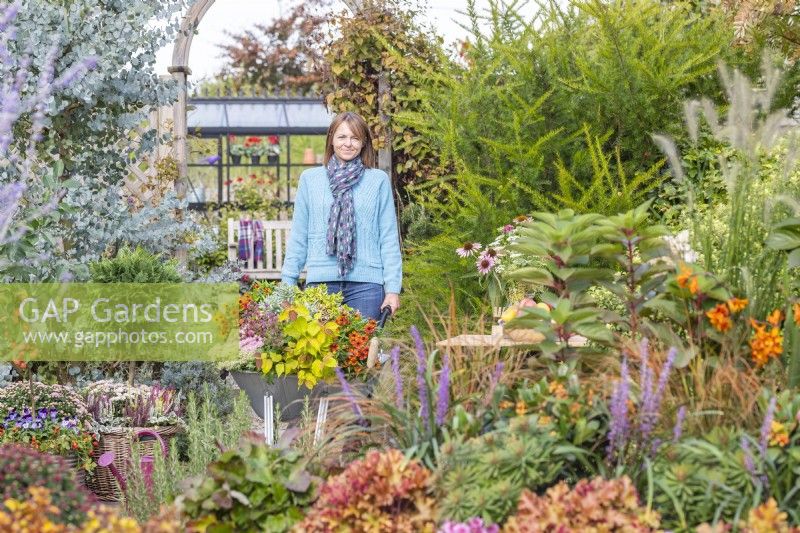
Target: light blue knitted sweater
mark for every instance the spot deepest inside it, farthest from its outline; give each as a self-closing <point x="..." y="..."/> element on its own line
<point x="378" y="257"/>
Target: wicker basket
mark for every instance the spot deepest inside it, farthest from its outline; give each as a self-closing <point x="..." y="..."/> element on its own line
<point x="74" y="463"/>
<point x="103" y="483"/>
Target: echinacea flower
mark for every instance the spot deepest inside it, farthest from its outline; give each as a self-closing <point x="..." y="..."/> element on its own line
<point x="490" y="253"/>
<point x="468" y="249"/>
<point x="508" y="228"/>
<point x="485" y="264"/>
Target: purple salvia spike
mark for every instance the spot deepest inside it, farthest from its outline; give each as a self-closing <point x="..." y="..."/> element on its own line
<point x="618" y="430"/>
<point x="443" y="399"/>
<point x="766" y="426"/>
<point x="348" y="392"/>
<point x="422" y="386"/>
<point x="677" y="431"/>
<point x="398" y="379"/>
<point x="749" y="464"/>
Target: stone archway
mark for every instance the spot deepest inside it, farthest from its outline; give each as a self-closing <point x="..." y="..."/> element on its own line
<point x="180" y="71"/>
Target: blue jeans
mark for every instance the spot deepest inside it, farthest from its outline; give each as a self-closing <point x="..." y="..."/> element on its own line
<point x="361" y="296"/>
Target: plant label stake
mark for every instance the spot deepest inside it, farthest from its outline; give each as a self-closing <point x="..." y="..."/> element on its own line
<point x="269" y="420"/>
<point x="322" y="416"/>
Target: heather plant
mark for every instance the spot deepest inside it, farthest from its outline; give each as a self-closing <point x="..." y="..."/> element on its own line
<point x="252" y="488"/>
<point x="484" y="476"/>
<point x="591" y="505"/>
<point x="385" y="491"/>
<point x="116" y="404"/>
<point x="22" y="467"/>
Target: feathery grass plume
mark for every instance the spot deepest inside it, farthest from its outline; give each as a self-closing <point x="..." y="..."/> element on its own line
<point x="398" y="379"/>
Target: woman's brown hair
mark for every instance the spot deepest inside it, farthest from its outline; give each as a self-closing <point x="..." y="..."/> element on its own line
<point x="358" y="126"/>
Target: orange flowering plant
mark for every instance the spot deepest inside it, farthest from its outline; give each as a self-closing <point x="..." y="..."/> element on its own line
<point x="704" y="308"/>
<point x="352" y="346"/>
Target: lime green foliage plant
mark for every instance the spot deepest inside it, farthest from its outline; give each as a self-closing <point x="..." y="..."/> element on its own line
<point x="385" y="491"/>
<point x="253" y="488"/>
<point x="135" y="266"/>
<point x="22" y="467"/>
<point x="485" y="475"/>
<point x="308" y="351"/>
<point x="591" y="505"/>
<point x="608" y="189"/>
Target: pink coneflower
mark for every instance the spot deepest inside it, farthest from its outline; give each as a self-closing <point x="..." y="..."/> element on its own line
<point x="468" y="249"/>
<point x="508" y="228"/>
<point x="491" y="253"/>
<point x="485" y="264"/>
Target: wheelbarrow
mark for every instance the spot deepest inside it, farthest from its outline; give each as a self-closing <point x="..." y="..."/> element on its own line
<point x="145" y="462"/>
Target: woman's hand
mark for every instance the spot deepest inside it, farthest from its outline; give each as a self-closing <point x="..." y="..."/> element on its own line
<point x="392" y="299"/>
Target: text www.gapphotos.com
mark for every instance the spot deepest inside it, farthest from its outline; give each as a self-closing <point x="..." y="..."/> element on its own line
<point x="80" y="339"/>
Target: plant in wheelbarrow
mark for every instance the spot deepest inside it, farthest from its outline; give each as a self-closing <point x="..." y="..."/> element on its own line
<point x="252" y="488"/>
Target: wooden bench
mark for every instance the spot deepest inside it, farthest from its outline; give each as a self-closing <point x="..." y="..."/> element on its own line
<point x="276" y="237"/>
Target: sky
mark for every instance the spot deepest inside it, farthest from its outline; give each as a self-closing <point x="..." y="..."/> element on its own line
<point x="237" y="15"/>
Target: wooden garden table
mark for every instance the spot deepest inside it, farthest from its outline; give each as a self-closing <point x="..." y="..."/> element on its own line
<point x="498" y="341"/>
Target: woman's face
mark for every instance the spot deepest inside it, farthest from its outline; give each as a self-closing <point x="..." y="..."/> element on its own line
<point x="346" y="144"/>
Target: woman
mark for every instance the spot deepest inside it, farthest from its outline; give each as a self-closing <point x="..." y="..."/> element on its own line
<point x="344" y="229"/>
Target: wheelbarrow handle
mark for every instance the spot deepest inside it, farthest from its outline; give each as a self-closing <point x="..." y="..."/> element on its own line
<point x="386" y="312"/>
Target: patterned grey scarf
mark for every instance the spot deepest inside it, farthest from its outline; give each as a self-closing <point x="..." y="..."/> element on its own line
<point x="342" y="221"/>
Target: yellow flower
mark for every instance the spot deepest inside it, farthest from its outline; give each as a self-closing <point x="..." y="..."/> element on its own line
<point x="737" y="304"/>
<point x="505" y="404"/>
<point x="545" y="420"/>
<point x="720" y="318"/>
<point x="557" y="389"/>
<point x="778" y="434"/>
<point x="775" y="317"/>
<point x="520" y="408"/>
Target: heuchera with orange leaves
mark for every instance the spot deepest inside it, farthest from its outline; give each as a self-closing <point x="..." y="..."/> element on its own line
<point x="596" y="505"/>
<point x="385" y="491"/>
